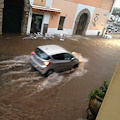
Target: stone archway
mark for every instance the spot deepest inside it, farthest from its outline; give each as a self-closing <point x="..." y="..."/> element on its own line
<point x="24" y="18"/>
<point x="83" y="12"/>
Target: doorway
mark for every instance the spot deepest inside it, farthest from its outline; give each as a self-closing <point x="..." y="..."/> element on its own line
<point x="81" y="24"/>
<point x="36" y="23"/>
<point x="12" y="16"/>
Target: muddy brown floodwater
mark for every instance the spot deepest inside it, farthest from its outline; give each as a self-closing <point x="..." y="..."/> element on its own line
<point x="25" y="95"/>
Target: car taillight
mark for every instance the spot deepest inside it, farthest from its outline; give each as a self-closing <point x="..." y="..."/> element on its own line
<point x="32" y="52"/>
<point x="46" y="63"/>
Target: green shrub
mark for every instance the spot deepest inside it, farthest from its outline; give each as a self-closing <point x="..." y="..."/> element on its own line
<point x="99" y="92"/>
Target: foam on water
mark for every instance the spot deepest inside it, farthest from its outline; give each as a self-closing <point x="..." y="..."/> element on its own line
<point x="62" y="78"/>
<point x="18" y="61"/>
<point x="26" y="70"/>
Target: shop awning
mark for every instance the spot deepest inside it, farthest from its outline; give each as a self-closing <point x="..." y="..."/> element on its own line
<point x="37" y="8"/>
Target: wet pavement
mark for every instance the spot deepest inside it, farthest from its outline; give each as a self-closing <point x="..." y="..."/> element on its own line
<point x="25" y="95"/>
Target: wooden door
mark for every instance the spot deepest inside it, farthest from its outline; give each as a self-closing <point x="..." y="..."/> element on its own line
<point x="45" y="28"/>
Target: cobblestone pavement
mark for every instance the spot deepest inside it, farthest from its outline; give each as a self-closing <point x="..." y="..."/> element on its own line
<point x="25" y="95"/>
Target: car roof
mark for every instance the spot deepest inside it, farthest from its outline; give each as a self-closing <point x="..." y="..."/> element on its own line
<point x="52" y="49"/>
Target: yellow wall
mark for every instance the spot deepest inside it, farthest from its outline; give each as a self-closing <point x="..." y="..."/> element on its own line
<point x="99" y="19"/>
<point x="68" y="10"/>
<point x="110" y="108"/>
<point x="40" y="2"/>
<point x="104" y="4"/>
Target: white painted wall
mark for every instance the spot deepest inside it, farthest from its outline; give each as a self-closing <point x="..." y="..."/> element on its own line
<point x="94" y="32"/>
<point x="31" y="2"/>
<point x="49" y="3"/>
<point x="29" y="21"/>
<point x="46" y="18"/>
<point x="56" y="31"/>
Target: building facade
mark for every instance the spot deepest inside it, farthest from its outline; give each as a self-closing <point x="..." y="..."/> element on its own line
<point x="54" y="16"/>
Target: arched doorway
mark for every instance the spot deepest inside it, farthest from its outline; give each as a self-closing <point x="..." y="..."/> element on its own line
<point x="12" y="16"/>
<point x="82" y="22"/>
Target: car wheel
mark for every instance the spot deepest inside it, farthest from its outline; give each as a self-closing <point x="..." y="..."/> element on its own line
<point x="49" y="72"/>
<point x="75" y="66"/>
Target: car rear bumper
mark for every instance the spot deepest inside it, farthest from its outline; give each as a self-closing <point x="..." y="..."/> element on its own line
<point x="41" y="68"/>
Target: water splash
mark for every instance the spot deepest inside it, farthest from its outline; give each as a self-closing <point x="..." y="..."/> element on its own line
<point x="62" y="78"/>
<point x="18" y="61"/>
<point x="23" y="75"/>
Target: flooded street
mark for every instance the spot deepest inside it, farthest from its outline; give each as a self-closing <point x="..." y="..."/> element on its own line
<point x="20" y="83"/>
<point x="26" y="95"/>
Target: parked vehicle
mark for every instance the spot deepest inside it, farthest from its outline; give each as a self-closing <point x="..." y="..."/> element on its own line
<point x="52" y="58"/>
<point x="116" y="23"/>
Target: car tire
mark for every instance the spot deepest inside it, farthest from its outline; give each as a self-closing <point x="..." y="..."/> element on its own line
<point x="75" y="66"/>
<point x="49" y="72"/>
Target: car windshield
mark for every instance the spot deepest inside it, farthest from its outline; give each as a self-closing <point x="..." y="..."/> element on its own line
<point x="41" y="54"/>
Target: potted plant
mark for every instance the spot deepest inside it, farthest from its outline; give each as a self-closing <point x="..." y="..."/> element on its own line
<point x="96" y="97"/>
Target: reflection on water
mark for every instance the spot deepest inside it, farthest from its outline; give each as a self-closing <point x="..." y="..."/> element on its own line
<point x="19" y="82"/>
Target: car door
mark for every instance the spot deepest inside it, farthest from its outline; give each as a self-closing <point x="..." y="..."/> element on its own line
<point x="62" y="62"/>
<point x="58" y="62"/>
<point x="68" y="61"/>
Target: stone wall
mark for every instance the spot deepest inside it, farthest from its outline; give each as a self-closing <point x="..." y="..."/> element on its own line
<point x="25" y="16"/>
<point x="24" y="19"/>
<point x="1" y="14"/>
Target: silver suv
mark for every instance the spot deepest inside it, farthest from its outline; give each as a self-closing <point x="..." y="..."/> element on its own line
<point x="52" y="58"/>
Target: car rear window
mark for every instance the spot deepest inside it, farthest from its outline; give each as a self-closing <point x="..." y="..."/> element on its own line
<point x="42" y="54"/>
